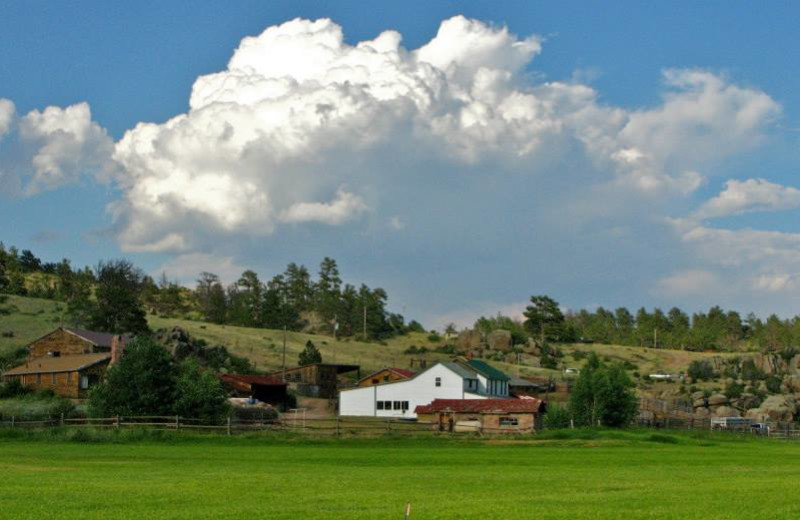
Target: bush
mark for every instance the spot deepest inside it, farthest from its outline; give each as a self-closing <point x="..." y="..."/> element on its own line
<point x="750" y="372"/>
<point x="557" y="417"/>
<point x="434" y="337"/>
<point x="200" y="395"/>
<point x="734" y="390"/>
<point x="13" y="388"/>
<point x="578" y="355"/>
<point x="774" y="384"/>
<point x="701" y="370"/>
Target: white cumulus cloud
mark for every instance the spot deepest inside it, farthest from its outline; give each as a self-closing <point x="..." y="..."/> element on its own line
<point x="298" y="112"/>
<point x="748" y="196"/>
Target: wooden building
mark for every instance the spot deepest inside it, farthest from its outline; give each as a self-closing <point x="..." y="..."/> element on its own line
<point x="264" y="388"/>
<point x="68" y="376"/>
<point x="68" y="341"/>
<point x="484" y="415"/>
<point x="316" y="380"/>
<point x="68" y="361"/>
<point x="385" y="375"/>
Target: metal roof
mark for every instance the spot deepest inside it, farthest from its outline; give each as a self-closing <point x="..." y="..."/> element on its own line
<point x="73" y="363"/>
<point x="488" y="370"/>
<point x="101" y="339"/>
<point x="481" y="406"/>
<point x="460" y="369"/>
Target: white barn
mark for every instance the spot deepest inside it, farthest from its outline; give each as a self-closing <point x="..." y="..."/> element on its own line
<point x="399" y="399"/>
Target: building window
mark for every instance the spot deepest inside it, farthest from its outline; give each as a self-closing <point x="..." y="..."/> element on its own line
<point x="397" y="405"/>
<point x="84" y="382"/>
<point x="38" y="379"/>
<point x="438" y="381"/>
<point x="375" y="381"/>
<point x="53" y="378"/>
<point x="387" y="405"/>
<point x="386" y="378"/>
<point x="509" y="421"/>
<point x="405" y="406"/>
<point x="380" y="405"/>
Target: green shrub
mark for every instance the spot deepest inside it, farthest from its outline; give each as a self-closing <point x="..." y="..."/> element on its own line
<point x="557" y="417"/>
<point x="434" y="337"/>
<point x="700" y="370"/>
<point x="734" y="390"/>
<point x="774" y="384"/>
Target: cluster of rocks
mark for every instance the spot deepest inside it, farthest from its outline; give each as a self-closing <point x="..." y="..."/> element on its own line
<point x="779" y="407"/>
<point x="182" y="345"/>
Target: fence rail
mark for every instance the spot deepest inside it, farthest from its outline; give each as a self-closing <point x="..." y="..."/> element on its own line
<point x="353" y="426"/>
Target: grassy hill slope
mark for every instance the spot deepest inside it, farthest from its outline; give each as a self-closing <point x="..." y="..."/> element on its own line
<point x="31" y="318"/>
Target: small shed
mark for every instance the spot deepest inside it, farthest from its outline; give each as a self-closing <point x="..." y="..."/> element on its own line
<point x="264" y="388"/>
<point x="484" y="415"/>
<point x="317" y="379"/>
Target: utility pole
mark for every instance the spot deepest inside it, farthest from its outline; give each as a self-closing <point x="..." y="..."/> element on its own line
<point x="365" y="322"/>
<point x="284" y="352"/>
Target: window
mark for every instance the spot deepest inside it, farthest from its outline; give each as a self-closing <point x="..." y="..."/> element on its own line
<point x="84" y="382"/>
<point x="438" y="381"/>
<point x="386" y="377"/>
<point x="387" y="405"/>
<point x="404" y="406"/>
<point x="53" y="378"/>
<point x="380" y="405"/>
<point x="397" y="405"/>
<point x="509" y="421"/>
<point x="375" y="381"/>
<point x="38" y="379"/>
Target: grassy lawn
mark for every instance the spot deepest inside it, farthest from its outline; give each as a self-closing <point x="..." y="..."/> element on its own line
<point x="628" y="475"/>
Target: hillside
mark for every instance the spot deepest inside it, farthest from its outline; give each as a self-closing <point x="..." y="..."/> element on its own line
<point x="31" y="318"/>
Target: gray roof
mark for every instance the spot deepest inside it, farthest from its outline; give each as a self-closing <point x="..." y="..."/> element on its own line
<point x="518" y="381"/>
<point x="461" y="370"/>
<point x="101" y="339"/>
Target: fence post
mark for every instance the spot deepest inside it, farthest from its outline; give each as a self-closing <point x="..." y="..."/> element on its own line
<point x="388" y="425"/>
<point x="12" y="421"/>
<point x="177" y="422"/>
<point x="117" y="422"/>
<point x="337" y="425"/>
<point x="229" y="425"/>
<point x="62" y="418"/>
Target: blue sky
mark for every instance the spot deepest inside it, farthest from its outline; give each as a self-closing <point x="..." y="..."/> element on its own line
<point x="656" y="189"/>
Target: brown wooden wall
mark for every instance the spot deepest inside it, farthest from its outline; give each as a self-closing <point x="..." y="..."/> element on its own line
<point x="65" y="384"/>
<point x="489" y="421"/>
<point x="384" y="376"/>
<point x="61" y="341"/>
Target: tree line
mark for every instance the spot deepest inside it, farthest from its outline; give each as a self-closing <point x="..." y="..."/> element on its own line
<point x="717" y="329"/>
<point x="115" y="296"/>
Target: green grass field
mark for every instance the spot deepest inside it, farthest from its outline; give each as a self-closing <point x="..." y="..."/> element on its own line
<point x="615" y="475"/>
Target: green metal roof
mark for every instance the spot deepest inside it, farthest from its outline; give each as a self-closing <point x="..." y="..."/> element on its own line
<point x="488" y="370"/>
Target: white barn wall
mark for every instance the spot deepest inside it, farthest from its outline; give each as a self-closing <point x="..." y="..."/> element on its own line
<point x="420" y="390"/>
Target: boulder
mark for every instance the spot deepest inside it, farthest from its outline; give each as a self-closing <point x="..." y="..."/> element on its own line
<point x="717" y="400"/>
<point x="768" y="363"/>
<point x="792" y="384"/>
<point x="698" y="395"/>
<point x="469" y="340"/>
<point x="702" y="412"/>
<point x="726" y="411"/>
<point x="499" y="340"/>
<point x="779" y="407"/>
<point x="699" y="402"/>
<point x="757" y="415"/>
<point x="747" y="401"/>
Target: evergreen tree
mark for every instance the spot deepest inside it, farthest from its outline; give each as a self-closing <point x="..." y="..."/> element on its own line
<point x="544" y="319"/>
<point x="309" y="355"/>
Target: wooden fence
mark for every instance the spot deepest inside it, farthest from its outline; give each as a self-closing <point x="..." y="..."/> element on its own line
<point x="329" y="426"/>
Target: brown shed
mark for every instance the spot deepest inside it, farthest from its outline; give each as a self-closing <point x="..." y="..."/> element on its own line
<point x="68" y="376"/>
<point x="485" y="415"/>
<point x="264" y="388"/>
<point x="316" y="380"/>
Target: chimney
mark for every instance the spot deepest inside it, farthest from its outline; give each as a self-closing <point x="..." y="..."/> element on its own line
<point x="117" y="348"/>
